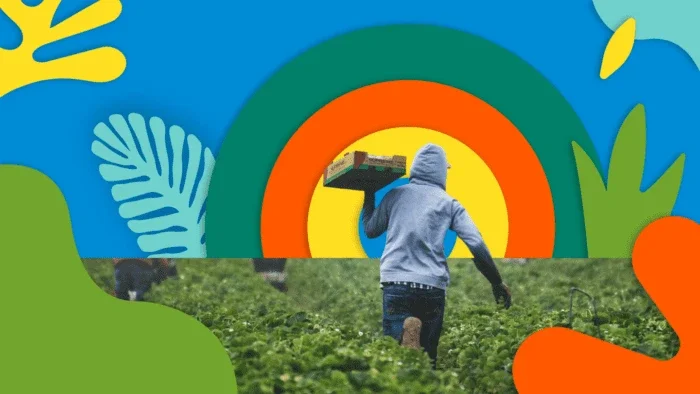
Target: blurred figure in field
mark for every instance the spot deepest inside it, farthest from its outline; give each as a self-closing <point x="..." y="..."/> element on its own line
<point x="164" y="271"/>
<point x="136" y="276"/>
<point x="272" y="270"/>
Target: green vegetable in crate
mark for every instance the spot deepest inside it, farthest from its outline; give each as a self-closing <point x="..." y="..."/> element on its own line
<point x="361" y="171"/>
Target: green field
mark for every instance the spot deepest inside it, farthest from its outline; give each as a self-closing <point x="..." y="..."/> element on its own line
<point x="324" y="336"/>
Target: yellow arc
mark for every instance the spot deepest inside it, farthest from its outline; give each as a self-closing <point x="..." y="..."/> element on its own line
<point x="332" y="222"/>
<point x="618" y="48"/>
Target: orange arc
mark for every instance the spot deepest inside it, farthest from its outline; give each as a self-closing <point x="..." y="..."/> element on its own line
<point x="407" y="103"/>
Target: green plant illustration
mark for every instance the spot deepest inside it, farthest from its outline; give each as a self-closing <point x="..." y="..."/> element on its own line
<point x="615" y="213"/>
<point x="161" y="194"/>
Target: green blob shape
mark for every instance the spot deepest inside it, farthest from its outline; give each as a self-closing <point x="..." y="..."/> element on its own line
<point x="380" y="54"/>
<point x="617" y="213"/>
<point x="61" y="333"/>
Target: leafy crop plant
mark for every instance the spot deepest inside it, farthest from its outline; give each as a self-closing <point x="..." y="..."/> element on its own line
<point x="325" y="335"/>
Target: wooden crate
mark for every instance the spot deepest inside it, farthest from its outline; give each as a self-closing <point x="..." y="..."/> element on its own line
<point x="360" y="171"/>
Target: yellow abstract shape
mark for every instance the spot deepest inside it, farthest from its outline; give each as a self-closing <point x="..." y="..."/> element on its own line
<point x="619" y="48"/>
<point x="19" y="68"/>
<point x="332" y="222"/>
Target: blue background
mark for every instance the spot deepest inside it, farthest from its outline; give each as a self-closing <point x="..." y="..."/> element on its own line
<point x="194" y="64"/>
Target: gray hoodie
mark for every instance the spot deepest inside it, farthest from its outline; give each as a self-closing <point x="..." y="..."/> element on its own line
<point x="416" y="218"/>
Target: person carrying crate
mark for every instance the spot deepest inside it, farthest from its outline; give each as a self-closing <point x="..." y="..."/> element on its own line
<point x="413" y="268"/>
<point x="137" y="276"/>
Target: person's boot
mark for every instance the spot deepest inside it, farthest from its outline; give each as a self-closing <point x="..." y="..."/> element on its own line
<point x="411" y="333"/>
<point x="281" y="286"/>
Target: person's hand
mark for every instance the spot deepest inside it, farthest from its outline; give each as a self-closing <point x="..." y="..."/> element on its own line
<point x="172" y="272"/>
<point x="502" y="292"/>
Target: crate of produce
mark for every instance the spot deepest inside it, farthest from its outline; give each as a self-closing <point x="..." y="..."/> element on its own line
<point x="360" y="171"/>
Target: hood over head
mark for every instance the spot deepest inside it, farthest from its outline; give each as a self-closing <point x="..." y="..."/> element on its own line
<point x="430" y="166"/>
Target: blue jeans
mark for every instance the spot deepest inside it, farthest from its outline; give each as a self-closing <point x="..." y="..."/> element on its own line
<point x="401" y="302"/>
<point x="132" y="276"/>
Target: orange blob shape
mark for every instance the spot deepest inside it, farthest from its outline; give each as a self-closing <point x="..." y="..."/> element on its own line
<point x="559" y="360"/>
<point x="392" y="104"/>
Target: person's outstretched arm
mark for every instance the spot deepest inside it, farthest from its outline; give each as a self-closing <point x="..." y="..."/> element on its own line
<point x="375" y="221"/>
<point x="466" y="230"/>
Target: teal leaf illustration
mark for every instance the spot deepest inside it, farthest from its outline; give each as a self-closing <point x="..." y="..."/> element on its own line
<point x="160" y="182"/>
<point x="615" y="214"/>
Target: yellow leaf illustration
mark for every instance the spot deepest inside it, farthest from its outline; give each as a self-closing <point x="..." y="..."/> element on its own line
<point x="97" y="65"/>
<point x="619" y="48"/>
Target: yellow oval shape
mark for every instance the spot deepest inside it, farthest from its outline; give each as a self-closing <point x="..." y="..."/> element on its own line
<point x="619" y="48"/>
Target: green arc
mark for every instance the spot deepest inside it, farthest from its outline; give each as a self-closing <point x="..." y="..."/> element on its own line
<point x="379" y="54"/>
